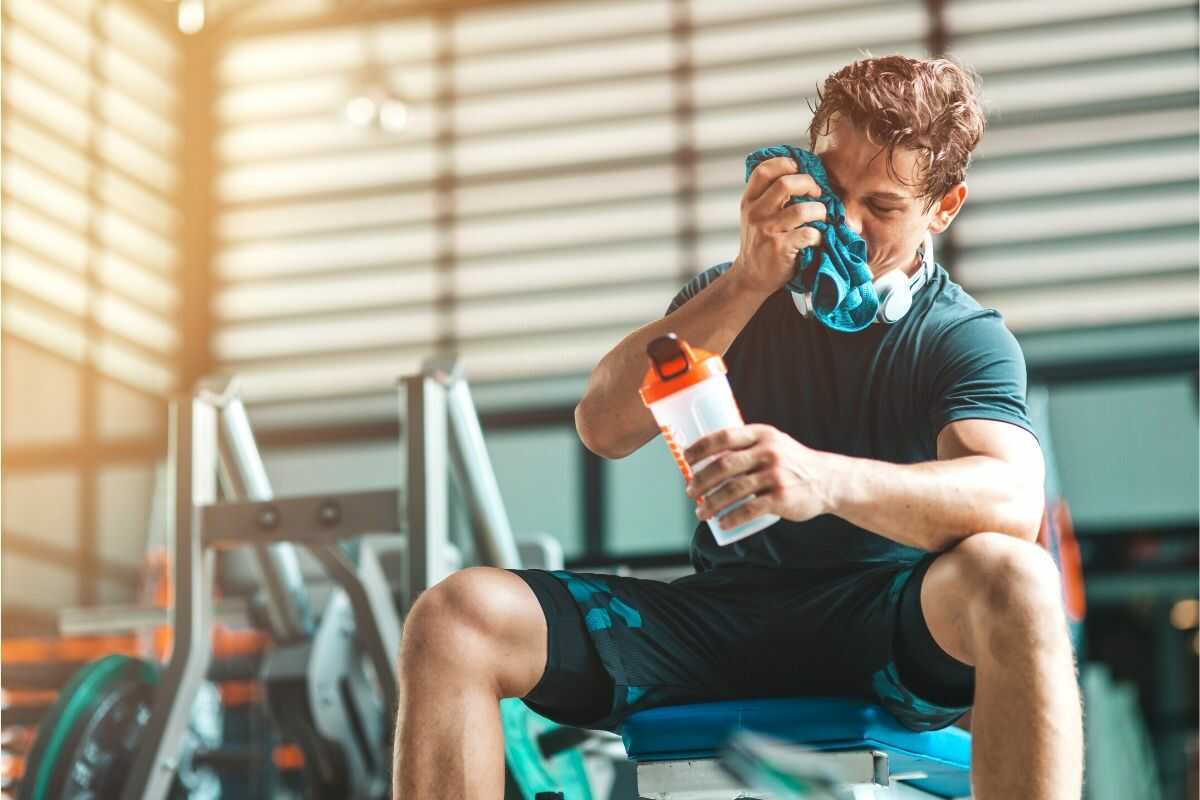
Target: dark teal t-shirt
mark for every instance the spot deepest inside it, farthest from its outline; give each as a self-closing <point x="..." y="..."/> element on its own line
<point x="883" y="393"/>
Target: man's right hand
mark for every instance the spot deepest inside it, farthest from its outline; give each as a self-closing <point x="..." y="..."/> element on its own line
<point x="772" y="235"/>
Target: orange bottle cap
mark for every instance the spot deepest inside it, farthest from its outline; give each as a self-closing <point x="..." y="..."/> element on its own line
<point x="675" y="366"/>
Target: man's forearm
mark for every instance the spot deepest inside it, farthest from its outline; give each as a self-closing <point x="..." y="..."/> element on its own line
<point x="611" y="418"/>
<point x="935" y="504"/>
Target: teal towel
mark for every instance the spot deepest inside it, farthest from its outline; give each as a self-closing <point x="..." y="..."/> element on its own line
<point x="836" y="273"/>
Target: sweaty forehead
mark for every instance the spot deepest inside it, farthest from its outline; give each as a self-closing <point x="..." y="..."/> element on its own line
<point x="855" y="162"/>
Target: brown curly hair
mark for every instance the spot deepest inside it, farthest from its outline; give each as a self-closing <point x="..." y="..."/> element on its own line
<point x="931" y="106"/>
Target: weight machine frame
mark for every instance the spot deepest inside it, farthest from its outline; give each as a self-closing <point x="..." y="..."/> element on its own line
<point x="210" y="440"/>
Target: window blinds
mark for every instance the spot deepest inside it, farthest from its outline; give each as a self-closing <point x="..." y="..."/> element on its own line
<point x="1083" y="205"/>
<point x="90" y="147"/>
<point x="567" y="167"/>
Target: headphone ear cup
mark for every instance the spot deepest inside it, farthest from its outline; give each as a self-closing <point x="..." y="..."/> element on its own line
<point x="895" y="297"/>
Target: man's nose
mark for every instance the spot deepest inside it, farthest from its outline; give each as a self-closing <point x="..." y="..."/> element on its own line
<point x="854" y="217"/>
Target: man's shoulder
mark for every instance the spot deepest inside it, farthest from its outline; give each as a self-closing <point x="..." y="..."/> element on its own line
<point x="697" y="284"/>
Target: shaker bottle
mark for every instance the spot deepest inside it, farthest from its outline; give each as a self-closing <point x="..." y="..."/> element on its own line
<point x="687" y="392"/>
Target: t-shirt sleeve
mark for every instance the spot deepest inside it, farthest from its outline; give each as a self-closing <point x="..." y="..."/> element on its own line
<point x="980" y="374"/>
<point x="697" y="284"/>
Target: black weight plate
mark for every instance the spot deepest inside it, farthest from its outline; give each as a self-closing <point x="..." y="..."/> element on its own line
<point x="84" y="746"/>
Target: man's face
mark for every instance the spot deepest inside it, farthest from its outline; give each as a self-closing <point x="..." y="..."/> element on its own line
<point x="881" y="205"/>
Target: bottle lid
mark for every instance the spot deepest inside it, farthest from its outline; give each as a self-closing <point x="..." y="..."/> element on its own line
<point x="674" y="366"/>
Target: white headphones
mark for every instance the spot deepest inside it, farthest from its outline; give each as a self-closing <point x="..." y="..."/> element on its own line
<point x="894" y="288"/>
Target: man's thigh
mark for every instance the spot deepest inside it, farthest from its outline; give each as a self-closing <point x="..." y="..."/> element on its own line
<point x="731" y="633"/>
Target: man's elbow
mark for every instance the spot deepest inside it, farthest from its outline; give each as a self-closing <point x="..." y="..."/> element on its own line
<point x="1023" y="514"/>
<point x="591" y="435"/>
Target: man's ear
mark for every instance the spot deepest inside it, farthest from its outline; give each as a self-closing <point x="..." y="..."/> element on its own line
<point x="947" y="209"/>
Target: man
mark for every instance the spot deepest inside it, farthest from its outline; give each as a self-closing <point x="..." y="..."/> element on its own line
<point x="900" y="459"/>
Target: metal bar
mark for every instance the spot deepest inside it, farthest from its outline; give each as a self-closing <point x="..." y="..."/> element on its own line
<point x="309" y="519"/>
<point x="288" y="604"/>
<point x="192" y="481"/>
<point x="234" y="611"/>
<point x="493" y="533"/>
<point x="594" y="491"/>
<point x="376" y="623"/>
<point x="427" y="479"/>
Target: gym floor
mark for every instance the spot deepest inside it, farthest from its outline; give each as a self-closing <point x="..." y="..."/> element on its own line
<point x="317" y="197"/>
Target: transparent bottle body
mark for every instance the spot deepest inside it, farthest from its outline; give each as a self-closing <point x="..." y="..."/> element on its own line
<point x="687" y="415"/>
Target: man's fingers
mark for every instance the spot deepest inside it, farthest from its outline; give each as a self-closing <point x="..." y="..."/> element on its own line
<point x="737" y="489"/>
<point x="764" y="175"/>
<point x="724" y="467"/>
<point x="793" y="217"/>
<point x="725" y="439"/>
<point x="804" y="237"/>
<point x="781" y="192"/>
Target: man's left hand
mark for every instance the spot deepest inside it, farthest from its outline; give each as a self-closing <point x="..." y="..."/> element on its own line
<point x="787" y="478"/>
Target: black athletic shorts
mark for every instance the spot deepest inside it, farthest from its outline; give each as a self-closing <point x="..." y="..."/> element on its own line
<point x="619" y="645"/>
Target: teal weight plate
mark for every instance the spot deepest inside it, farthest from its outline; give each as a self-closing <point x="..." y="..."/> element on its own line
<point x="83" y="745"/>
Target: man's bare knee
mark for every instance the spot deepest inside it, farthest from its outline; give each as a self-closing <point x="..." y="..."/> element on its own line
<point x="1013" y="599"/>
<point x="480" y="623"/>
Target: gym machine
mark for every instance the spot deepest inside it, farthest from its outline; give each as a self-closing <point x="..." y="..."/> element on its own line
<point x="330" y="682"/>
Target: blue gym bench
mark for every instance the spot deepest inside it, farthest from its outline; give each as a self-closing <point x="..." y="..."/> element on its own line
<point x="677" y="748"/>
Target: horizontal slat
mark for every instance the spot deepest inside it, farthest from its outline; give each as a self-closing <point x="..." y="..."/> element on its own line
<point x="1127" y="253"/>
<point x="293" y="296"/>
<point x="292" y="219"/>
<point x="58" y="335"/>
<point x="156" y="89"/>
<point x="328" y="377"/>
<point x="1136" y="300"/>
<point x="50" y="22"/>
<point x="1080" y="87"/>
<point x="1124" y="211"/>
<point x="313" y="176"/>
<point x="850" y="28"/>
<point x="36" y="101"/>
<point x="565" y="105"/>
<point x="284" y="56"/>
<point x="327" y="253"/>
<point x="1091" y="171"/>
<point x="316" y="136"/>
<point x="588" y="268"/>
<point x="613" y="305"/>
<point x="56" y="243"/>
<point x="73" y="209"/>
<point x="1088" y="131"/>
<point x="751" y="127"/>
<point x="58" y="159"/>
<point x="157" y="172"/>
<point x="968" y="16"/>
<point x="150" y="289"/>
<point x="70" y="294"/>
<point x="530" y="357"/>
<point x="542" y="23"/>
<point x="122" y="317"/>
<point x="52" y="197"/>
<point x="710" y="12"/>
<point x="592" y="225"/>
<point x="361" y="331"/>
<point x="147" y="290"/>
<point x="574" y="62"/>
<point x="1085" y="40"/>
<point x="75" y="83"/>
<point x="574" y="187"/>
<point x="136" y="36"/>
<point x="560" y="148"/>
<point x="60" y="288"/>
<point x="320" y="94"/>
<point x="122" y="363"/>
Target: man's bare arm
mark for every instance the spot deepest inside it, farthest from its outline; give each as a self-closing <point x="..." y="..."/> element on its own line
<point x="611" y="419"/>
